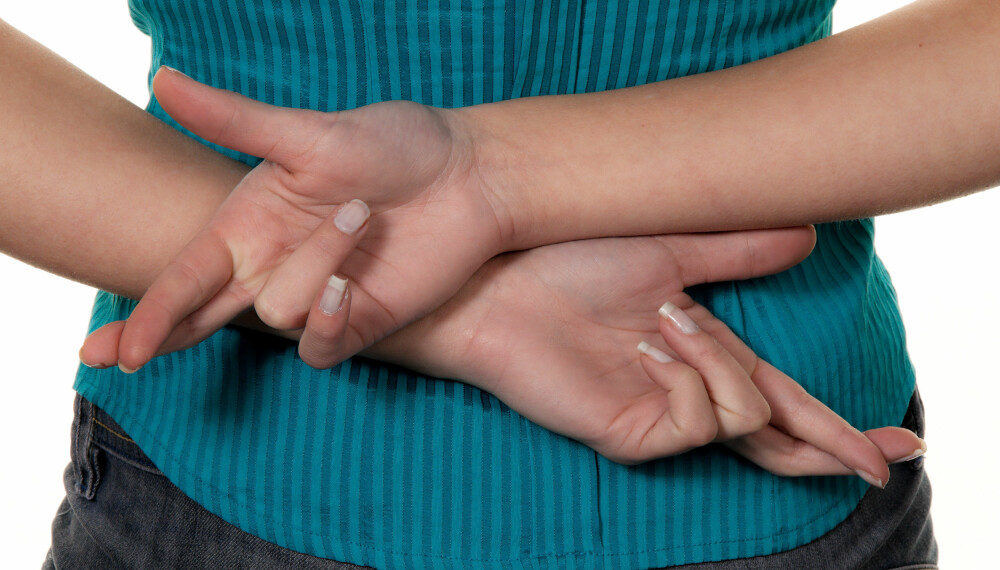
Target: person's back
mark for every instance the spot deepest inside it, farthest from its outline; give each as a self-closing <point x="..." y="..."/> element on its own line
<point x="376" y="465"/>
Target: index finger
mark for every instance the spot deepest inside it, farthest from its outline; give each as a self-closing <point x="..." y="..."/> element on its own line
<point x="785" y="455"/>
<point x="800" y="415"/>
<point x="198" y="272"/>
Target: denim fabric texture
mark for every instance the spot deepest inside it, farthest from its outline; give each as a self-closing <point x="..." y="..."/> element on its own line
<point x="890" y="529"/>
<point x="383" y="466"/>
<point x="121" y="512"/>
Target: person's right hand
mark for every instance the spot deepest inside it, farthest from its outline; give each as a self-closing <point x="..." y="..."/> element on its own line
<point x="552" y="332"/>
<point x="434" y="221"/>
<point x="436" y="225"/>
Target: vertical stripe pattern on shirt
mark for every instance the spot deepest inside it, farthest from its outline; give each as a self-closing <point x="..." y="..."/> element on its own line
<point x="372" y="464"/>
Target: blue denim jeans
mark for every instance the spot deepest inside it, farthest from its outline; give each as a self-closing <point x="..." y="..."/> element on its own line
<point x="121" y="512"/>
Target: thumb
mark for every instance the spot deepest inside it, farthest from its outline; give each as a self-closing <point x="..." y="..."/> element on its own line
<point x="236" y="122"/>
<point x="729" y="256"/>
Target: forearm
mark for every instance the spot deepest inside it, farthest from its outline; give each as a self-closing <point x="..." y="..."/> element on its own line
<point x="92" y="187"/>
<point x="896" y="113"/>
<point x="95" y="189"/>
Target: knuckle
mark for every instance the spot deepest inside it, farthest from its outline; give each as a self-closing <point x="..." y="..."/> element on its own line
<point x="758" y="415"/>
<point x="324" y="336"/>
<point x="278" y="316"/>
<point x="331" y="242"/>
<point x="700" y="431"/>
<point x="710" y="349"/>
<point x="157" y="306"/>
<point x="788" y="460"/>
<point x="802" y="401"/>
<point x="228" y="126"/>
<point x="847" y="432"/>
<point x="749" y="419"/>
<point x="187" y="272"/>
<point x="687" y="376"/>
<point x="315" y="358"/>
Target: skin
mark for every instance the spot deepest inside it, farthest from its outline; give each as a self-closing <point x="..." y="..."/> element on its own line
<point x="422" y="190"/>
<point x="466" y="188"/>
<point x="127" y="191"/>
<point x="890" y="115"/>
<point x="451" y="189"/>
<point x="630" y="407"/>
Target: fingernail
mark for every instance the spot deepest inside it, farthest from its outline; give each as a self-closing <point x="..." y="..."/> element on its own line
<point x="654" y="353"/>
<point x="916" y="453"/>
<point x="681" y="320"/>
<point x="126" y="369"/>
<point x="91" y="364"/>
<point x="352" y="216"/>
<point x="88" y="364"/>
<point x="912" y="456"/>
<point x="175" y="70"/>
<point x="333" y="295"/>
<point x="871" y="479"/>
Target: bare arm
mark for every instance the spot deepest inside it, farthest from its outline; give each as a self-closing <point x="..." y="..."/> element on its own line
<point x="889" y="115"/>
<point x="96" y="189"/>
<point x="896" y="113"/>
<point x="93" y="188"/>
<point x="893" y="114"/>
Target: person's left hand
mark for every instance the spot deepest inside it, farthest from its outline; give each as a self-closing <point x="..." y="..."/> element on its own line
<point x="552" y="332"/>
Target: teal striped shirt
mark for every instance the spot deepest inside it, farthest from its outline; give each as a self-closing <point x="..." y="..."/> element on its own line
<point x="377" y="465"/>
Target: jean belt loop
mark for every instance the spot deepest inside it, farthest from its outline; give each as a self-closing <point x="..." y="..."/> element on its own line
<point x="83" y="453"/>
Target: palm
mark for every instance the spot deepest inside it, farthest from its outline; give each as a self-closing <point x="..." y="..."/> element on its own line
<point x="359" y="155"/>
<point x="576" y="368"/>
<point x="571" y="366"/>
<point x="432" y="223"/>
<point x="552" y="332"/>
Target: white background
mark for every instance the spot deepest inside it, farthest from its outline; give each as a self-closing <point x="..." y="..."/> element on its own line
<point x="942" y="259"/>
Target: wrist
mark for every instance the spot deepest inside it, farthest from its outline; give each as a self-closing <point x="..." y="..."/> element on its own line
<point x="452" y="342"/>
<point x="502" y="167"/>
<point x="556" y="165"/>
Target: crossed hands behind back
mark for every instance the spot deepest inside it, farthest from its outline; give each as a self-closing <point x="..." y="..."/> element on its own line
<point x="550" y="331"/>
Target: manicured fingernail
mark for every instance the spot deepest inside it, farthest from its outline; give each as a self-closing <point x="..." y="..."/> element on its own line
<point x="126" y="369"/>
<point x="916" y="453"/>
<point x="175" y="70"/>
<point x="681" y="320"/>
<point x="912" y="456"/>
<point x="95" y="365"/>
<point x="654" y="353"/>
<point x="333" y="296"/>
<point x="352" y="216"/>
<point x="871" y="479"/>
